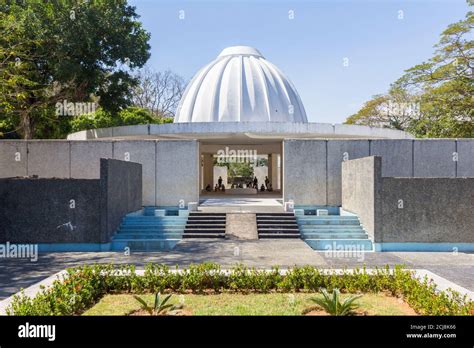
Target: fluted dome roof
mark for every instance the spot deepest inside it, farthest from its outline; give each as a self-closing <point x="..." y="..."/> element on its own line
<point x="240" y="85"/>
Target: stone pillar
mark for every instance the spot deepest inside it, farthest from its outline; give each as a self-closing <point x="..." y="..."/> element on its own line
<point x="273" y="170"/>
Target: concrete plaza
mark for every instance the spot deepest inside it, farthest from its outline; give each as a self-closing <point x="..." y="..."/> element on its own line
<point x="21" y="273"/>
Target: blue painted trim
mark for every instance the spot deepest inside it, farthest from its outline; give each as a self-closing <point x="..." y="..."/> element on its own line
<point x="332" y="209"/>
<point x="414" y="246"/>
<point x="52" y="247"/>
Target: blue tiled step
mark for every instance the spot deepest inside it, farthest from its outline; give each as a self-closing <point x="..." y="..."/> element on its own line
<point x="330" y="227"/>
<point x="337" y="244"/>
<point x="153" y="220"/>
<point x="122" y="236"/>
<point x="322" y="232"/>
<point x="333" y="210"/>
<point x="138" y="234"/>
<point x="150" y="210"/>
<point x="336" y="217"/>
<point x="144" y="244"/>
<point x="208" y="231"/>
<point x="323" y="222"/>
<point x="328" y="235"/>
<point x="151" y="227"/>
<point x="308" y="234"/>
<point x="149" y="233"/>
<point x="157" y="224"/>
<point x="157" y="231"/>
<point x="206" y="223"/>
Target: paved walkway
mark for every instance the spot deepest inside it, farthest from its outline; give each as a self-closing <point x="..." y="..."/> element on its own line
<point x="248" y="203"/>
<point x="241" y="226"/>
<point x="20" y="273"/>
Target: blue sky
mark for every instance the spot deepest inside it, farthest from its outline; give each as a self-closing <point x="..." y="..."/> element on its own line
<point x="310" y="48"/>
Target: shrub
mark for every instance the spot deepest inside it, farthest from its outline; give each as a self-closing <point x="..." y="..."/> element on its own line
<point x="82" y="287"/>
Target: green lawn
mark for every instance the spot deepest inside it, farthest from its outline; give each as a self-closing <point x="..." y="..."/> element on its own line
<point x="251" y="304"/>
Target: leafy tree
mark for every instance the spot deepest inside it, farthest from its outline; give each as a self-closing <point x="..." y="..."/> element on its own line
<point x="59" y="50"/>
<point x="392" y="110"/>
<point x="21" y="84"/>
<point x="244" y="169"/>
<point x="127" y="117"/>
<point x="442" y="87"/>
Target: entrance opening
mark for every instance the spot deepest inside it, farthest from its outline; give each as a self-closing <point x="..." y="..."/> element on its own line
<point x="234" y="171"/>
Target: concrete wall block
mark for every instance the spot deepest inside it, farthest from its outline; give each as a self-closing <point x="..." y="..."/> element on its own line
<point x="434" y="158"/>
<point x="338" y="151"/>
<point x="141" y="129"/>
<point x="13" y="158"/>
<point x="177" y="172"/>
<point x="85" y="158"/>
<point x="370" y="132"/>
<point x="69" y="210"/>
<point x="304" y="171"/>
<point x="466" y="158"/>
<point x="397" y="156"/>
<point x="428" y="210"/>
<point x="47" y="205"/>
<point x="49" y="158"/>
<point x="121" y="184"/>
<point x="361" y="181"/>
<point x="142" y="152"/>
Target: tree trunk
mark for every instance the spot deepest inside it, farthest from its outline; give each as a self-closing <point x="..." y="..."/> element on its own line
<point x="26" y="126"/>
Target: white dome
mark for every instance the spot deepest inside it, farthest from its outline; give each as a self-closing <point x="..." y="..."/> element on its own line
<point x="240" y="85"/>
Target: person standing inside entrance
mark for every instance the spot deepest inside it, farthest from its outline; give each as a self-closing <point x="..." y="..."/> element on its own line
<point x="219" y="181"/>
<point x="267" y="182"/>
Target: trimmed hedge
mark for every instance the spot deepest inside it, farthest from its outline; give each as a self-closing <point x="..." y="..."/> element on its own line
<point x="82" y="287"/>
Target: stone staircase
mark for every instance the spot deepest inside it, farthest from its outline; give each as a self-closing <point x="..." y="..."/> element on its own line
<point x="277" y="225"/>
<point x="148" y="233"/>
<point x="205" y="225"/>
<point x="333" y="231"/>
<point x="142" y="231"/>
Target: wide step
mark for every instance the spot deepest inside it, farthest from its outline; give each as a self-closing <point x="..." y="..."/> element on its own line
<point x="204" y="235"/>
<point x="277" y="225"/>
<point x="334" y="232"/>
<point x="278" y="235"/>
<point x="148" y="232"/>
<point x="205" y="225"/>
